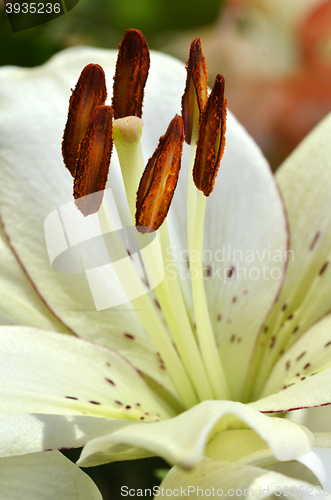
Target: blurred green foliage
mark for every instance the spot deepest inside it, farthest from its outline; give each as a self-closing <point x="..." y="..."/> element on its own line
<point x="101" y="23"/>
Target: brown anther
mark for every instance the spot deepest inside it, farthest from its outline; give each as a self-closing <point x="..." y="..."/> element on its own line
<point x="131" y="74"/>
<point x="159" y="180"/>
<point x="93" y="161"/>
<point x="89" y="94"/>
<point x="196" y="87"/>
<point x="211" y="140"/>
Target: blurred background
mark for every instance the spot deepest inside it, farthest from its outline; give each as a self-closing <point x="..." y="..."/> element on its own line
<point x="276" y="58"/>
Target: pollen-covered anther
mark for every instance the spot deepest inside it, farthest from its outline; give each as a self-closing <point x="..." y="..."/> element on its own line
<point x="93" y="161"/>
<point x="211" y="139"/>
<point x="131" y="74"/>
<point x="159" y="180"/>
<point x="196" y="88"/>
<point x="89" y="94"/>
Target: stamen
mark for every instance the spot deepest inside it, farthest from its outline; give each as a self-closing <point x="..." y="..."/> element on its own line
<point x="159" y="179"/>
<point x="211" y="140"/>
<point x="89" y="94"/>
<point x="195" y="93"/>
<point x="131" y="74"/>
<point x="93" y="161"/>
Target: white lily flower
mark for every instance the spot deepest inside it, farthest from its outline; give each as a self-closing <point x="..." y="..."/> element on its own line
<point x="106" y="387"/>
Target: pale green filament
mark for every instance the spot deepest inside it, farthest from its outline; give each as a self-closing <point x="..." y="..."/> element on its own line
<point x="206" y="337"/>
<point x="200" y="364"/>
<point x="190" y="354"/>
<point x="191" y="189"/>
<point x="149" y="317"/>
<point x="127" y="133"/>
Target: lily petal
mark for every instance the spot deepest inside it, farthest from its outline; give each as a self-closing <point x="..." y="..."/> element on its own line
<point x="182" y="440"/>
<point x="45" y="476"/>
<point x="19" y="303"/>
<point x="29" y="433"/>
<point x="47" y="372"/>
<point x="318" y="459"/>
<point x="313" y="391"/>
<point x="305" y="182"/>
<point x="232" y="479"/>
<point x="35" y="183"/>
<point x="254" y="451"/>
<point x="309" y="356"/>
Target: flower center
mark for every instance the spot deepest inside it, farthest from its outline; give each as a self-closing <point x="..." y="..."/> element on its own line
<point x="184" y="340"/>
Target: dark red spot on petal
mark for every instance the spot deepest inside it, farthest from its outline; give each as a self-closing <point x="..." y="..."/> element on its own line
<point x="323" y="268"/>
<point x="301" y="355"/>
<point x="128" y="336"/>
<point x="230" y="272"/>
<point x="110" y="381"/>
<point x="316" y="238"/>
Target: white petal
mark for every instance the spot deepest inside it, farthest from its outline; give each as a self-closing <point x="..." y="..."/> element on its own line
<point x="318" y="459"/>
<point x="182" y="439"/>
<point x="28" y="433"/>
<point x="316" y="419"/>
<point x="35" y="183"/>
<point x="253" y="450"/>
<point x="225" y="479"/>
<point x="47" y="372"/>
<point x="245" y="446"/>
<point x="245" y="237"/>
<point x="308" y="356"/>
<point x="313" y="391"/>
<point x="305" y="182"/>
<point x="19" y="303"/>
<point x="45" y="476"/>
